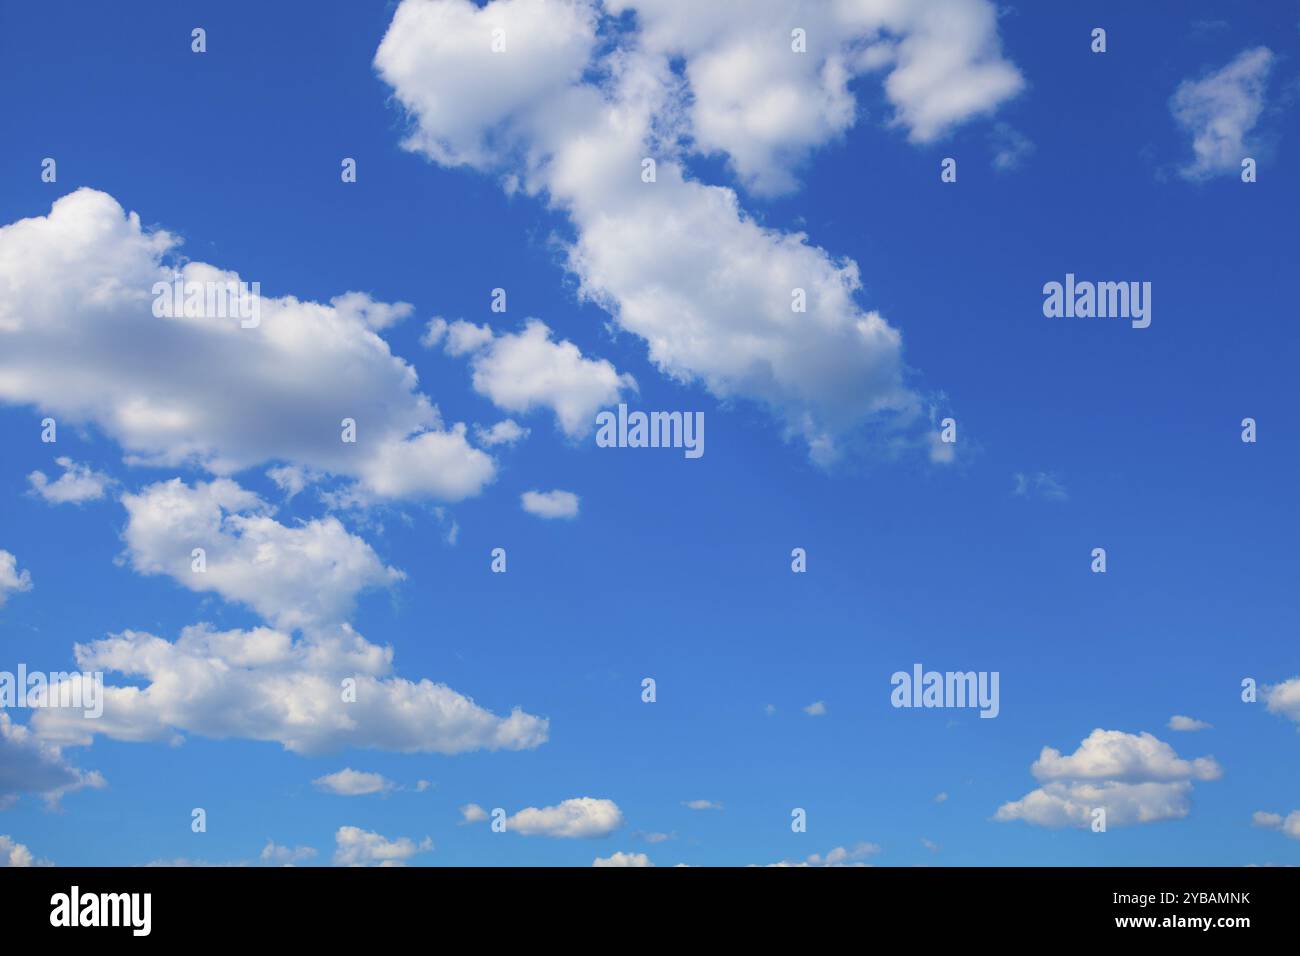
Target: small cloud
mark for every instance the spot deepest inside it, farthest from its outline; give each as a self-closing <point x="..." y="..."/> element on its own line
<point x="1220" y="110"/>
<point x="505" y="432"/>
<point x="274" y="855"/>
<point x="292" y="479"/>
<point x="623" y="859"/>
<point x="930" y="845"/>
<point x="941" y="797"/>
<point x="434" y="332"/>
<point x="1010" y="148"/>
<point x="770" y="709"/>
<point x="941" y="452"/>
<point x="16" y="854"/>
<point x="701" y="805"/>
<point x="550" y="504"/>
<point x="354" y="783"/>
<point x="1042" y="484"/>
<point x="472" y="813"/>
<point x="840" y="856"/>
<point x="12" y="580"/>
<point x="77" y="484"/>
<point x="816" y="709"/>
<point x="377" y="315"/>
<point x="576" y="818"/>
<point x="1283" y="698"/>
<point x="357" y="847"/>
<point x="1179" y="722"/>
<point x="1290" y="824"/>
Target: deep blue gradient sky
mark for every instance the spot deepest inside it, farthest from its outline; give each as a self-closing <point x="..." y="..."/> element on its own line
<point x="680" y="569"/>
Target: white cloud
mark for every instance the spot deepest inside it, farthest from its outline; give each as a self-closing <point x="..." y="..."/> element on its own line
<point x="550" y="504"/>
<point x="1136" y="778"/>
<point x="12" y="580"/>
<point x="438" y="57"/>
<point x="354" y="783"/>
<point x="580" y="817"/>
<point x="701" y="805"/>
<point x="1040" y="484"/>
<point x="623" y="859"/>
<point x="941" y="797"/>
<point x="78" y="483"/>
<point x="29" y="764"/>
<point x="1010" y="147"/>
<point x="1283" y="698"/>
<point x="262" y="684"/>
<point x="505" y="432"/>
<point x="525" y="370"/>
<point x="302" y="576"/>
<point x="676" y="262"/>
<point x="357" y="847"/>
<point x="1220" y="110"/>
<point x="16" y="854"/>
<point x="1290" y="825"/>
<point x="81" y="342"/>
<point x="766" y="107"/>
<point x="1180" y="722"/>
<point x="816" y="709"/>
<point x="840" y="856"/>
<point x="291" y="479"/>
<point x="328" y="689"/>
<point x="372" y="314"/>
<point x="275" y="855"/>
<point x="472" y="813"/>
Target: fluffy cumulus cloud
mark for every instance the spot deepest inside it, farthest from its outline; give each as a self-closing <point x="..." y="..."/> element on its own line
<point x="580" y="817"/>
<point x="550" y="504"/>
<point x="524" y="370"/>
<point x="30" y="765"/>
<point x="505" y="432"/>
<point x="1136" y="778"/>
<point x="77" y="299"/>
<point x="1290" y="824"/>
<point x="1220" y="111"/>
<point x="12" y="578"/>
<point x="276" y="855"/>
<point x="620" y="858"/>
<point x="1184" y="723"/>
<point x="765" y="106"/>
<point x="678" y="262"/>
<point x="357" y="847"/>
<point x="855" y="855"/>
<point x="302" y="576"/>
<point x="77" y="484"/>
<point x="308" y="682"/>
<point x="1282" y="699"/>
<point x="263" y="684"/>
<point x="16" y="854"/>
<point x="354" y="783"/>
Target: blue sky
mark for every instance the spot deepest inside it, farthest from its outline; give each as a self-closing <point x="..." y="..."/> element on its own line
<point x="1127" y="439"/>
